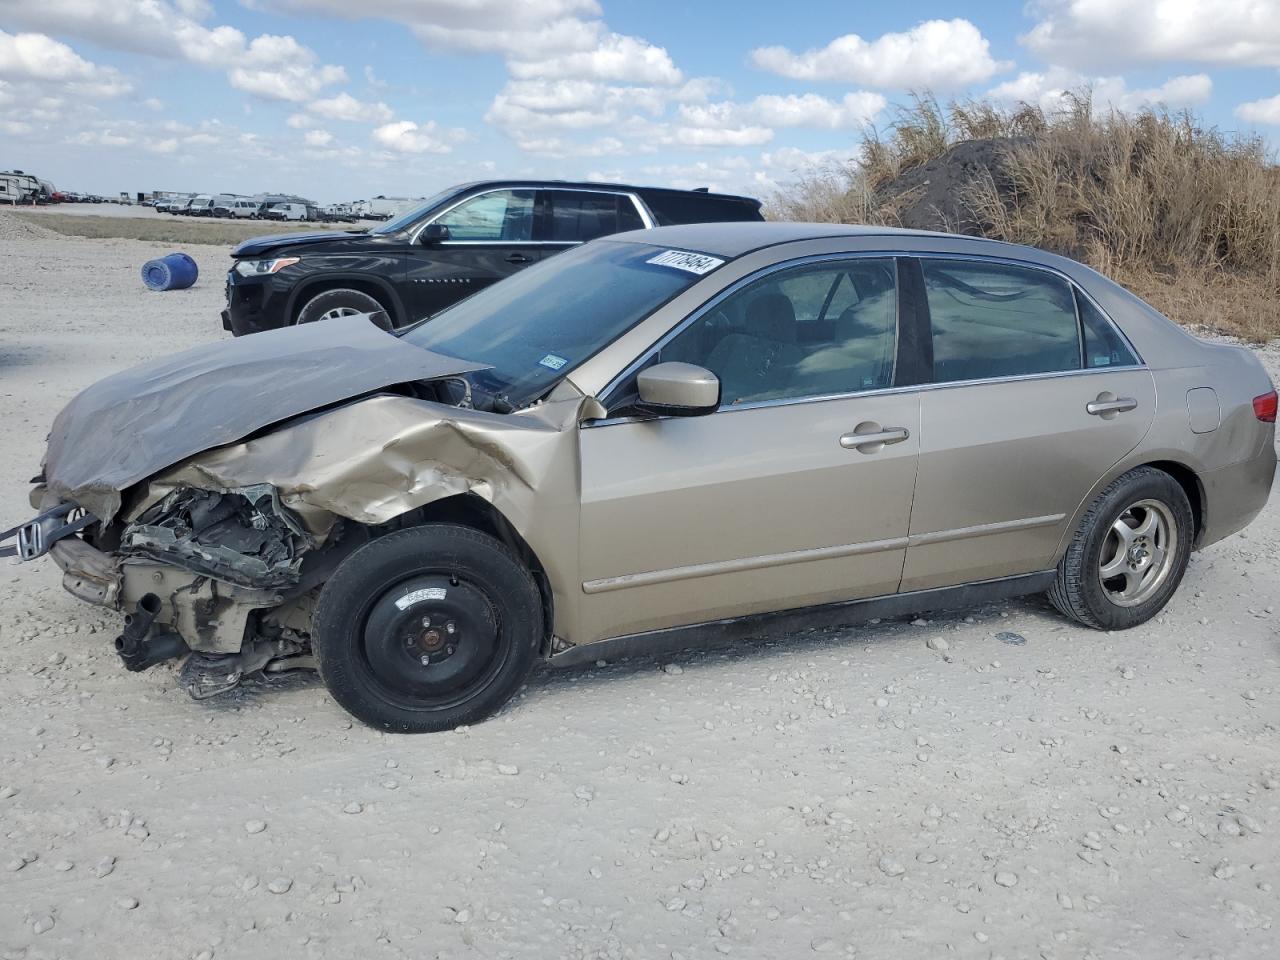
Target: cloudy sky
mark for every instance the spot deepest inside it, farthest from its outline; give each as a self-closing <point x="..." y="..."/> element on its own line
<point x="340" y="100"/>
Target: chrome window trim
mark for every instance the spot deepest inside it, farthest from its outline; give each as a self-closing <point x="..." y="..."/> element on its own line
<point x="645" y="217"/>
<point x="634" y="366"/>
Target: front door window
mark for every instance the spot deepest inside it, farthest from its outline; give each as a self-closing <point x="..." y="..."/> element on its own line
<point x="502" y="216"/>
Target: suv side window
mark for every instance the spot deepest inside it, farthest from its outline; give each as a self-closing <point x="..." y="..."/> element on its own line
<point x="993" y="320"/>
<point x="578" y="215"/>
<point x="817" y="330"/>
<point x="502" y="215"/>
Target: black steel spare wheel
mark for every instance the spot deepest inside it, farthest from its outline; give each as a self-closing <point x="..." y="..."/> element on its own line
<point x="427" y="628"/>
<point x="431" y="637"/>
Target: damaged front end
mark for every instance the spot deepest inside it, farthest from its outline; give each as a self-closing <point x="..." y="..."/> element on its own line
<point x="215" y="574"/>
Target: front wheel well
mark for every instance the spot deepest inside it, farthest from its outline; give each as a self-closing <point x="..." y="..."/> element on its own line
<point x="468" y="510"/>
<point x="367" y="287"/>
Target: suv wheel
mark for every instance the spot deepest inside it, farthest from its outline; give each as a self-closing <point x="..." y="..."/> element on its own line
<point x="1130" y="552"/>
<point x="343" y="302"/>
<point x="427" y="628"/>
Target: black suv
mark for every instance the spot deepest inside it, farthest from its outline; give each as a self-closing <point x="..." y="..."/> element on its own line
<point x="457" y="242"/>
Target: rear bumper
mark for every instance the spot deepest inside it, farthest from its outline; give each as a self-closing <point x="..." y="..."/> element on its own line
<point x="1235" y="495"/>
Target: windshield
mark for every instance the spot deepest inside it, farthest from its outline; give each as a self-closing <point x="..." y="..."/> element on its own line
<point x="534" y="327"/>
<point x="417" y="213"/>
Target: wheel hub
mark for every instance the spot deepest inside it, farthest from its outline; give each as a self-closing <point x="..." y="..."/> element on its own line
<point x="430" y="636"/>
<point x="1139" y="552"/>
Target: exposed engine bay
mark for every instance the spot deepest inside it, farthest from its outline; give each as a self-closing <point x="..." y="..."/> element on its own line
<point x="245" y="537"/>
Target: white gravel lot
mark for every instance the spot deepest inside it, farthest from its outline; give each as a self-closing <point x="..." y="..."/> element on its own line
<point x="846" y="793"/>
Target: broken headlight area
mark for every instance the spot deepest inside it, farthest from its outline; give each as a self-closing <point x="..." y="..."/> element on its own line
<point x="245" y="537"/>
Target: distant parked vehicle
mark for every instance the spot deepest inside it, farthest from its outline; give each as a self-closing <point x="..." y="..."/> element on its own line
<point x="201" y="206"/>
<point x="243" y="209"/>
<point x="448" y="248"/>
<point x="289" y="211"/>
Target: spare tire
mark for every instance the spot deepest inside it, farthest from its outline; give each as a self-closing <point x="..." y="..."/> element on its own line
<point x="343" y="302"/>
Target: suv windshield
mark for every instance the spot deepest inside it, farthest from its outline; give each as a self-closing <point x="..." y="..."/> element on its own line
<point x="417" y="213"/>
<point x="535" y="327"/>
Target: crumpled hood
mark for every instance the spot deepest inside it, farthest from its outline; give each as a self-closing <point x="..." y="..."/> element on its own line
<point x="136" y="423"/>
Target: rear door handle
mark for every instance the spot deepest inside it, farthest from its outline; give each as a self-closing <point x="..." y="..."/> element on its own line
<point x="870" y="437"/>
<point x="1107" y="406"/>
<point x="518" y="258"/>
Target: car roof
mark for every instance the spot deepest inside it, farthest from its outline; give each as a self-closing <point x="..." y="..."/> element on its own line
<point x="598" y="185"/>
<point x="731" y="240"/>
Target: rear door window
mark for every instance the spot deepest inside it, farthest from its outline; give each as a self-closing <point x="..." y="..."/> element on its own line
<point x="992" y="320"/>
<point x="579" y="215"/>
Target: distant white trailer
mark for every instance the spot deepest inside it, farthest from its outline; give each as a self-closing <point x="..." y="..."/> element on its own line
<point x="384" y="208"/>
<point x="18" y="187"/>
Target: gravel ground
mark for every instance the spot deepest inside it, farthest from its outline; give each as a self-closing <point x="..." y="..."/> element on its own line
<point x="848" y="793"/>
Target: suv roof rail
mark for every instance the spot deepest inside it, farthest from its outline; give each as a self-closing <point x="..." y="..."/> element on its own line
<point x="700" y="190"/>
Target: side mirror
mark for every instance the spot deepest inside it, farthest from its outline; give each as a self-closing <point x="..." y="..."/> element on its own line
<point x="678" y="390"/>
<point x="434" y="233"/>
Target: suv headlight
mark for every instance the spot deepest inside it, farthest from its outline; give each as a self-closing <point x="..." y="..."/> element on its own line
<point x="258" y="268"/>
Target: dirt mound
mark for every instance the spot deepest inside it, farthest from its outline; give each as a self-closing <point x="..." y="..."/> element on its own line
<point x="932" y="195"/>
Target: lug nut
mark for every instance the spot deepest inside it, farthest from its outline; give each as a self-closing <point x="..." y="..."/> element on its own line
<point x="426" y="621"/>
<point x="426" y="660"/>
<point x="449" y="627"/>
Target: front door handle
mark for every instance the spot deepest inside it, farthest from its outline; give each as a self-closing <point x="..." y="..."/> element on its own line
<point x="870" y="437"/>
<point x="518" y="258"/>
<point x="1108" y="405"/>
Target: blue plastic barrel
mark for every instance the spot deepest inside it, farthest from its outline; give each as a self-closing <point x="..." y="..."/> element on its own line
<point x="177" y="271"/>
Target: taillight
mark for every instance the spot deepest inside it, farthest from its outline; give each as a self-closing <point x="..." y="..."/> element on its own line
<point x="1264" y="407"/>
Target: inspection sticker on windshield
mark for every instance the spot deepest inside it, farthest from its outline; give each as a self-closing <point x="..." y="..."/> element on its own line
<point x="698" y="263"/>
<point x="552" y="361"/>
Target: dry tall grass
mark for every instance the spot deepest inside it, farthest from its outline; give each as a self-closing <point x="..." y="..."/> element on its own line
<point x="1187" y="216"/>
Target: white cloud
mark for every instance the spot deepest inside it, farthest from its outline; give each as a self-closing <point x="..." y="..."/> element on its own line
<point x="273" y="67"/>
<point x="1260" y="111"/>
<point x="729" y="124"/>
<point x="40" y="59"/>
<point x="613" y="57"/>
<point x="938" y="54"/>
<point x="1100" y="33"/>
<point x="348" y="108"/>
<point x="810" y="110"/>
<point x="1052" y="88"/>
<point x="317" y="138"/>
<point x="280" y="68"/>
<point x="732" y="136"/>
<point x="405" y="136"/>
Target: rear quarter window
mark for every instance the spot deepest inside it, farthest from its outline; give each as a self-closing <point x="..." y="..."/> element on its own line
<point x="674" y="208"/>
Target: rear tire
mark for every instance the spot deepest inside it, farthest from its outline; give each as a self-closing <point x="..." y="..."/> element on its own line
<point x="1129" y="554"/>
<point x="344" y="302"/>
<point x="427" y="629"/>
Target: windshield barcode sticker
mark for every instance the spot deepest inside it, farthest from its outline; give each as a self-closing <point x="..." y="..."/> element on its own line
<point x="698" y="263"/>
